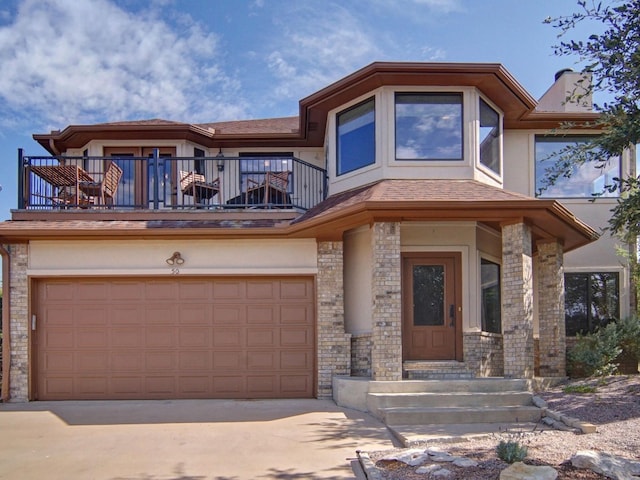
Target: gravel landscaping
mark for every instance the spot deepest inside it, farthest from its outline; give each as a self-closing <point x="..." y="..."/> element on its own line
<point x="614" y="407"/>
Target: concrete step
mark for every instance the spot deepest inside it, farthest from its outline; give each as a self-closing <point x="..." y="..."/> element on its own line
<point x="458" y="415"/>
<point x="419" y="435"/>
<point x="376" y="401"/>
<point x="450" y="386"/>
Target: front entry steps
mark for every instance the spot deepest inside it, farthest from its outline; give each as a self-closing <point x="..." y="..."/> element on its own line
<point x="443" y="410"/>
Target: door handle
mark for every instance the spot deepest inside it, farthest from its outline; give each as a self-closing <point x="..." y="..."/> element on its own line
<point x="452" y="315"/>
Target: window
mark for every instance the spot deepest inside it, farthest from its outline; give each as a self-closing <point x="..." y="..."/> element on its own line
<point x="356" y="137"/>
<point x="591" y="300"/>
<point x="585" y="181"/>
<point x="198" y="162"/>
<point x="490" y="285"/>
<point x="428" y="126"/>
<point x="489" y="137"/>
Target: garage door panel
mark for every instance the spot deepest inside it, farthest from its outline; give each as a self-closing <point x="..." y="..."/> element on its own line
<point x="193" y="361"/>
<point x="261" y="337"/>
<point x="121" y="290"/>
<point x="260" y="314"/>
<point x="93" y="291"/>
<point x="126" y="386"/>
<point x="228" y="337"/>
<point x="160" y="361"/>
<point x="92" y="362"/>
<point x="127" y="337"/>
<point x="58" y="338"/>
<point x="296" y="337"/>
<point x="58" y="362"/>
<point x="229" y="314"/>
<point x="197" y="337"/>
<point x="175" y="338"/>
<point x="296" y="314"/>
<point x="265" y="360"/>
<point x="194" y="314"/>
<point x="161" y="337"/>
<point x="59" y="315"/>
<point x="128" y="314"/>
<point x="230" y="360"/>
<point x="127" y="361"/>
<point x="296" y="360"/>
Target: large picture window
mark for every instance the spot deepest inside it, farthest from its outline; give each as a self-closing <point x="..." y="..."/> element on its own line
<point x="489" y="137"/>
<point x="428" y="126"/>
<point x="586" y="180"/>
<point x="490" y="285"/>
<point x="356" y="137"/>
<point x="591" y="300"/>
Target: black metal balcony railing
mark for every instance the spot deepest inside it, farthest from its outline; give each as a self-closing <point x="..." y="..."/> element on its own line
<point x="161" y="182"/>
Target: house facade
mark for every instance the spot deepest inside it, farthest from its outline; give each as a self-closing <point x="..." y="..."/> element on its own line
<point x="397" y="228"/>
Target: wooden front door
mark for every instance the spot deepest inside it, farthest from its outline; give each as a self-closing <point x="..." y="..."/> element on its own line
<point x="432" y="308"/>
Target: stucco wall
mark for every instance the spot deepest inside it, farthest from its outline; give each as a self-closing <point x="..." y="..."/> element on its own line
<point x="148" y="257"/>
<point x="357" y="280"/>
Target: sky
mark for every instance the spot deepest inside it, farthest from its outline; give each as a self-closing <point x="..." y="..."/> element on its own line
<point x="69" y="62"/>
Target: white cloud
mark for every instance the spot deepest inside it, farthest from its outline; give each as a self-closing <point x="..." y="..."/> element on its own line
<point x="444" y="6"/>
<point x="80" y="61"/>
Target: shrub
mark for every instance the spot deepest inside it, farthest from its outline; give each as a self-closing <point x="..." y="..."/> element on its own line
<point x="511" y="451"/>
<point x="601" y="352"/>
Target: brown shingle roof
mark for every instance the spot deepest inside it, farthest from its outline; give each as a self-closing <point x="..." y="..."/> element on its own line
<point x="396" y="191"/>
<point x="261" y="126"/>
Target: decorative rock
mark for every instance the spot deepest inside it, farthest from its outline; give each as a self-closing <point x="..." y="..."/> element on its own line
<point x="429" y="469"/>
<point x="412" y="457"/>
<point x="442" y="473"/>
<point x="443" y="457"/>
<point x="464" y="462"/>
<point x="521" y="471"/>
<point x="608" y="465"/>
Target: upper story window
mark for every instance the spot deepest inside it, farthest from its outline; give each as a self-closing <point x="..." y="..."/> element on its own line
<point x="356" y="137"/>
<point x="586" y="180"/>
<point x="489" y="137"/>
<point x="428" y="126"/>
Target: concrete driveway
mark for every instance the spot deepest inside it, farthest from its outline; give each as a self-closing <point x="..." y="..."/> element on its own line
<point x="185" y="440"/>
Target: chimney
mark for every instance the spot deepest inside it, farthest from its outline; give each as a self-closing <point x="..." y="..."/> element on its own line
<point x="569" y="93"/>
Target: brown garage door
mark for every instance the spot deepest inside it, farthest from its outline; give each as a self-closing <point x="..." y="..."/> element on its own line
<point x="174" y="338"/>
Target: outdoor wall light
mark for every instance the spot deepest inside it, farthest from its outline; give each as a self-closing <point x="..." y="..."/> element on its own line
<point x="175" y="259"/>
<point x="220" y="158"/>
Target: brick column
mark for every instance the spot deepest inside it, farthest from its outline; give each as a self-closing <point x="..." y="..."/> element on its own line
<point x="386" y="354"/>
<point x="551" y="310"/>
<point x="517" y="301"/>
<point x="333" y="344"/>
<point x="19" y="324"/>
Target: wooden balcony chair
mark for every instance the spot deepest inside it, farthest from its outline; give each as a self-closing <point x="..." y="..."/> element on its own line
<point x="272" y="190"/>
<point x="105" y="189"/>
<point x="195" y="185"/>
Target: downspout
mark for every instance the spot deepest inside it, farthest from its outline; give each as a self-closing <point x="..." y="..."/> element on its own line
<point x="6" y="324"/>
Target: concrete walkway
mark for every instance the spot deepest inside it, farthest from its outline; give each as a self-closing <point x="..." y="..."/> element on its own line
<point x="185" y="440"/>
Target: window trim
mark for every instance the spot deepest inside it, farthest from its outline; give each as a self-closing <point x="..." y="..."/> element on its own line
<point x="500" y="138"/>
<point x="371" y="99"/>
<point x="444" y="93"/>
<point x="568" y="137"/>
<point x="590" y="321"/>
<point x="487" y="258"/>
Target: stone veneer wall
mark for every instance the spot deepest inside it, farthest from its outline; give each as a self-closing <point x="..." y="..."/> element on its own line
<point x="517" y="301"/>
<point x="333" y="344"/>
<point x="361" y="355"/>
<point x="483" y="353"/>
<point x="19" y="321"/>
<point x="386" y="355"/>
<point x="552" y="343"/>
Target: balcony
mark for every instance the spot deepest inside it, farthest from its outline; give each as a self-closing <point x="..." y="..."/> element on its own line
<point x="159" y="182"/>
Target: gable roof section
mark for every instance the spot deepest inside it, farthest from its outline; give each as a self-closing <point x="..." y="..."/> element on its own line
<point x="308" y="128"/>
